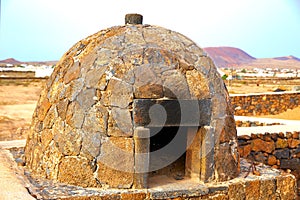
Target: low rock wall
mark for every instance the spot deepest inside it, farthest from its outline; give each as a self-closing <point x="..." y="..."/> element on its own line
<point x="279" y="150"/>
<point x="264" y="103"/>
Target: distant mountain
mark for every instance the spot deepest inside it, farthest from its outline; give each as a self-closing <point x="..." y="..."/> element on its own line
<point x="228" y="56"/>
<point x="16" y="62"/>
<point x="237" y="58"/>
<point x="287" y="58"/>
<point x="10" y="61"/>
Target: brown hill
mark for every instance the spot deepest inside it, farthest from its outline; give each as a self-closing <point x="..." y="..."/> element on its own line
<point x="231" y="57"/>
<point x="228" y="56"/>
<point x="10" y="61"/>
<point x="16" y="62"/>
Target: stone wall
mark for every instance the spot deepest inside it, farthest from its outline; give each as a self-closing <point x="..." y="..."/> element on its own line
<point x="264" y="103"/>
<point x="279" y="150"/>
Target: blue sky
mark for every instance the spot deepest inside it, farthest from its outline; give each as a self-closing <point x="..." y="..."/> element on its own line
<point x="38" y="30"/>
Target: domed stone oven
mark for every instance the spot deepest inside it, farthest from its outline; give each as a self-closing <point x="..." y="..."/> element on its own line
<point x="129" y="104"/>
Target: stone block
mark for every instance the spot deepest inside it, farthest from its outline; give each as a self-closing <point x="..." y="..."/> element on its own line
<point x="286" y="187"/>
<point x="120" y="122"/>
<point x="75" y="115"/>
<point x="119" y="89"/>
<point x="260" y="157"/>
<point x="245" y="150"/>
<point x="159" y="113"/>
<point x="272" y="160"/>
<point x="96" y="120"/>
<point x="175" y="85"/>
<point x="69" y="141"/>
<point x="116" y="162"/>
<point x="141" y="157"/>
<point x="236" y="191"/>
<point x="293" y="143"/>
<point x="147" y="84"/>
<point x="282" y="153"/>
<point x="76" y="171"/>
<point x="193" y="159"/>
<point x="226" y="162"/>
<point x="86" y="98"/>
<point x="43" y="109"/>
<point x="62" y="108"/>
<point x="93" y="76"/>
<point x="281" y="143"/>
<point x="72" y="73"/>
<point x="261" y="145"/>
<point x="252" y="189"/>
<point x="198" y="85"/>
<point x="267" y="189"/>
<point x="293" y="164"/>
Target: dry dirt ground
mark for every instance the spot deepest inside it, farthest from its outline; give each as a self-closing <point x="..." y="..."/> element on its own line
<point x="18" y="100"/>
<point x="17" y="103"/>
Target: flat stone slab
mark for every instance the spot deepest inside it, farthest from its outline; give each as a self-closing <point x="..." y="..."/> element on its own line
<point x="163" y="112"/>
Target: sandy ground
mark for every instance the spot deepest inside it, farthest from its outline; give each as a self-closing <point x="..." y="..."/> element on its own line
<point x="17" y="104"/>
<point x="293" y="114"/>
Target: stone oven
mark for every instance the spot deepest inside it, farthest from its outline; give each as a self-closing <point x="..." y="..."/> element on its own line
<point x="129" y="104"/>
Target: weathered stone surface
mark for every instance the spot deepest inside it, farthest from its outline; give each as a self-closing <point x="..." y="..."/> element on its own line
<point x="116" y="162"/>
<point x="272" y="160"/>
<point x="72" y="73"/>
<point x="226" y="161"/>
<point x="91" y="143"/>
<point x="69" y="141"/>
<point x="43" y="109"/>
<point x="86" y="98"/>
<point x="62" y="108"/>
<point x="229" y="132"/>
<point x="51" y="160"/>
<point x="75" y="115"/>
<point x="252" y="189"/>
<point x="260" y="145"/>
<point x="193" y="157"/>
<point x="282" y="153"/>
<point x="236" y="191"/>
<point x="198" y="85"/>
<point x="147" y="83"/>
<point x="120" y="122"/>
<point x="76" y="171"/>
<point x="74" y="88"/>
<point x="141" y="157"/>
<point x="293" y="164"/>
<point x="260" y="157"/>
<point x="268" y="189"/>
<point x="245" y="150"/>
<point x="286" y="187"/>
<point x="46" y="137"/>
<point x="96" y="120"/>
<point x="281" y="143"/>
<point x="93" y="76"/>
<point x="293" y="143"/>
<point x="50" y="117"/>
<point x="120" y="89"/>
<point x="175" y="85"/>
